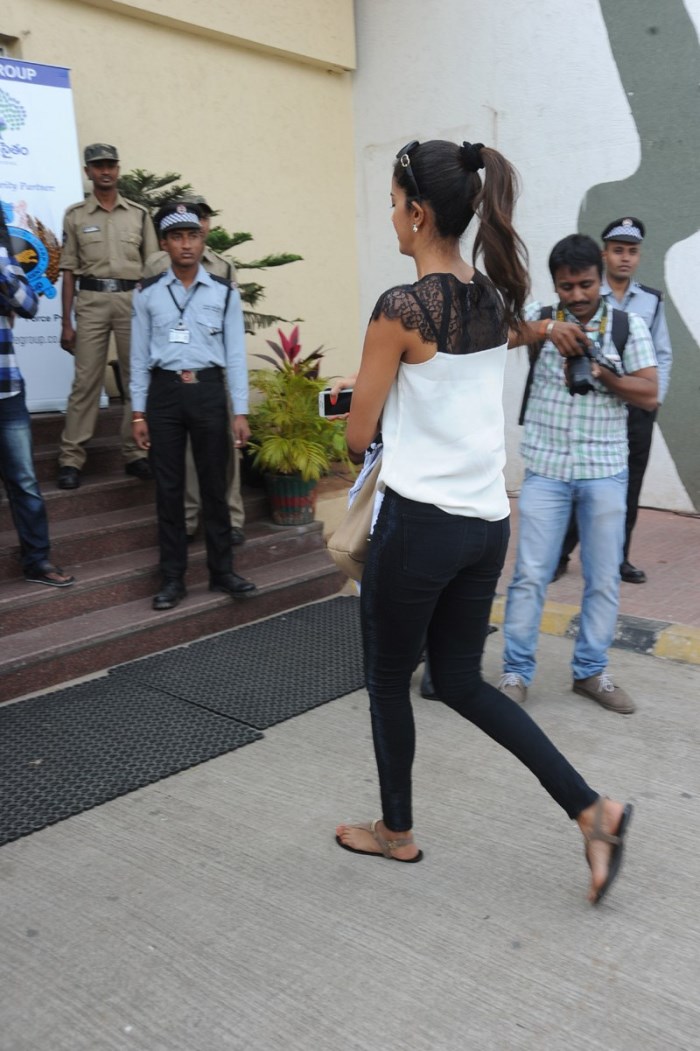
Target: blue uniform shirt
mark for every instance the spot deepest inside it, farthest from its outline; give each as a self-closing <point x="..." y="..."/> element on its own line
<point x="215" y="337"/>
<point x="637" y="300"/>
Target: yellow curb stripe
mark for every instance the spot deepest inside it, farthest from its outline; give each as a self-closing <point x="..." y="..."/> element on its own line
<point x="556" y="616"/>
<point x="679" y="643"/>
<point x="676" y="643"/>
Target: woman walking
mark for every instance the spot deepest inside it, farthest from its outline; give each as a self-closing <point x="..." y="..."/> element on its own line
<point x="432" y="374"/>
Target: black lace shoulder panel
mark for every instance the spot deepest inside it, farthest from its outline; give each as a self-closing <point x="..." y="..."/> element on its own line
<point x="400" y="303"/>
<point x="458" y="318"/>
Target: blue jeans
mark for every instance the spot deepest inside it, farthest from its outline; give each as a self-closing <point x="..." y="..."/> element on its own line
<point x="432" y="574"/>
<point x="544" y="509"/>
<point x="19" y="478"/>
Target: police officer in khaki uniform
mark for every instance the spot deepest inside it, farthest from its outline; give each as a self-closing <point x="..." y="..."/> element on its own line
<point x="213" y="263"/>
<point x="106" y="239"/>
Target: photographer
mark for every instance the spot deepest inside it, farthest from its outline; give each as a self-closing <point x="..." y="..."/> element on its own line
<point x="575" y="451"/>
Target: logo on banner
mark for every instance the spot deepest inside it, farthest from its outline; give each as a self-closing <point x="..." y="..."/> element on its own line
<point x="12" y="117"/>
<point x="35" y="247"/>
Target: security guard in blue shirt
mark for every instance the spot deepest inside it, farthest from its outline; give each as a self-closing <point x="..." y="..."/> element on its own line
<point x="622" y="241"/>
<point x="187" y="332"/>
<point x="622" y="252"/>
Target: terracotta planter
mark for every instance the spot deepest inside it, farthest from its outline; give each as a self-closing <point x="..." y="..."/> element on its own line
<point x="292" y="500"/>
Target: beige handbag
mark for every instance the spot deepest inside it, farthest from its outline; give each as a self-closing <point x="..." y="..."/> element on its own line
<point x="348" y="545"/>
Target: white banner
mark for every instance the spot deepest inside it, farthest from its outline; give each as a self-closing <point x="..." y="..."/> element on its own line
<point x="39" y="177"/>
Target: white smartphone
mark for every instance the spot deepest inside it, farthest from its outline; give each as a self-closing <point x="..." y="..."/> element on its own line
<point x="341" y="406"/>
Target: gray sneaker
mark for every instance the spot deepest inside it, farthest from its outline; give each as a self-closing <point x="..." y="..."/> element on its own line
<point x="602" y="689"/>
<point x="513" y="686"/>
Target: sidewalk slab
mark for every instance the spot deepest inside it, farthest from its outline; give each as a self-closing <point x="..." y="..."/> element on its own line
<point x="214" y="911"/>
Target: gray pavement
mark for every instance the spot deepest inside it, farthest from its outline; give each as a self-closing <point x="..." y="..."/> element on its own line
<point x="213" y="910"/>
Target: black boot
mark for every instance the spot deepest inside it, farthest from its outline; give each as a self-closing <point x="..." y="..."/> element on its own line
<point x="427" y="689"/>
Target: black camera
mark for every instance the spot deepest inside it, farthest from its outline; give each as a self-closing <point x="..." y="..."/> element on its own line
<point x="579" y="373"/>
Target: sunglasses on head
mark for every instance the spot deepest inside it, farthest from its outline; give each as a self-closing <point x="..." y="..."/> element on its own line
<point x="404" y="159"/>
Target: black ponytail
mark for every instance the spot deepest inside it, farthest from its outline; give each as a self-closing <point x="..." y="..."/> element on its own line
<point x="447" y="178"/>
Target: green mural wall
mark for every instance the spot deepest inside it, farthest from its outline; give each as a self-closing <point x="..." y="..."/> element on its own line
<point x="655" y="46"/>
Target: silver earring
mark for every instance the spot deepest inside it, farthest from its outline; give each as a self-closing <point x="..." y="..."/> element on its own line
<point x="415" y="228"/>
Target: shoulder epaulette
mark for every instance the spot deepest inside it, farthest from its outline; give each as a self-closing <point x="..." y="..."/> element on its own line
<point x="654" y="291"/>
<point x="223" y="281"/>
<point x="78" y="204"/>
<point x="146" y="282"/>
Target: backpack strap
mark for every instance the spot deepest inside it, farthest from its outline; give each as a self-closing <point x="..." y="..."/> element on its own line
<point x="620" y="330"/>
<point x="533" y="352"/>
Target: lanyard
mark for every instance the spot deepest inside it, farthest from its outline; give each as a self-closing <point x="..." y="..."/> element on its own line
<point x="188" y="299"/>
<point x="602" y="324"/>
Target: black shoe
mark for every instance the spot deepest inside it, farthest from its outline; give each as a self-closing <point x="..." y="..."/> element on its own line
<point x="427" y="689"/>
<point x="237" y="536"/>
<point x="233" y="585"/>
<point x="139" y="469"/>
<point x="170" y="594"/>
<point x="631" y="575"/>
<point x="46" y="573"/>
<point x="68" y="478"/>
<point x="562" y="567"/>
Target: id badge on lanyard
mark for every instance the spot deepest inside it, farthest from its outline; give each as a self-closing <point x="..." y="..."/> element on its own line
<point x="179" y="334"/>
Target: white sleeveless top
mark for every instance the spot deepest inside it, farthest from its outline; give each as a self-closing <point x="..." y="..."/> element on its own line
<point x="442" y="424"/>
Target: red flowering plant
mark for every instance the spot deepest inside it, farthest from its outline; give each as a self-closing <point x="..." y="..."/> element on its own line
<point x="288" y="355"/>
<point x="288" y="434"/>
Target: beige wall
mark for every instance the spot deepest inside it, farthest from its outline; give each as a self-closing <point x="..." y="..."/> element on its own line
<point x="317" y="31"/>
<point x="266" y="137"/>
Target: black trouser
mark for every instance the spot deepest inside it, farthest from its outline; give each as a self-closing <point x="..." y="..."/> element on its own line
<point x="175" y="410"/>
<point x="435" y="574"/>
<point x="640" y="430"/>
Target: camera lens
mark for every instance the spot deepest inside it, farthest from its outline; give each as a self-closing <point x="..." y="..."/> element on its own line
<point x="580" y="375"/>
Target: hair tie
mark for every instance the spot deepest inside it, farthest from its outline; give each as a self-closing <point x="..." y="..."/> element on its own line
<point x="471" y="152"/>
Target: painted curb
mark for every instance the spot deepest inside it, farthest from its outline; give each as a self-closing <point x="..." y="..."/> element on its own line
<point x="657" y="638"/>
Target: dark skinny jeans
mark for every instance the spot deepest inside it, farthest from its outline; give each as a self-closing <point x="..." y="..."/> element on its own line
<point x="433" y="574"/>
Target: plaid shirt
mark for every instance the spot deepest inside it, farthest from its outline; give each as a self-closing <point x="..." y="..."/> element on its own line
<point x="16" y="296"/>
<point x="584" y="436"/>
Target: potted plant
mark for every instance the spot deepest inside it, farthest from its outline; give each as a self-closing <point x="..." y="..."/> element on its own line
<point x="292" y="445"/>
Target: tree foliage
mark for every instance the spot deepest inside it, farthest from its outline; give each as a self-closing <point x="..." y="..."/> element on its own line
<point x="150" y="190"/>
<point x="153" y="191"/>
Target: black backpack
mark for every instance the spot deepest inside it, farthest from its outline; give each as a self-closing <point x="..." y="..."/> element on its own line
<point x="620" y="334"/>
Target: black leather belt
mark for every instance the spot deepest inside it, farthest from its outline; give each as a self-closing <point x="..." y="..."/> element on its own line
<point x="105" y="284"/>
<point x="214" y="372"/>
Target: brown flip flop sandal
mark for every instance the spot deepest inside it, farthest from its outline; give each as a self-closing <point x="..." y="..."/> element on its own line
<point x="385" y="845"/>
<point x="617" y="842"/>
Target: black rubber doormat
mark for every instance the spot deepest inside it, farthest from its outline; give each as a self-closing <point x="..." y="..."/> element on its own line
<point x="71" y="750"/>
<point x="264" y="673"/>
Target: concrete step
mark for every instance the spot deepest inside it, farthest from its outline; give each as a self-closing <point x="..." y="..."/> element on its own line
<point x="115" y="579"/>
<point x="47" y="427"/>
<point x="95" y="496"/>
<point x="111" y="492"/>
<point x="65" y="649"/>
<point x="105" y="533"/>
<point x="103" y="457"/>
